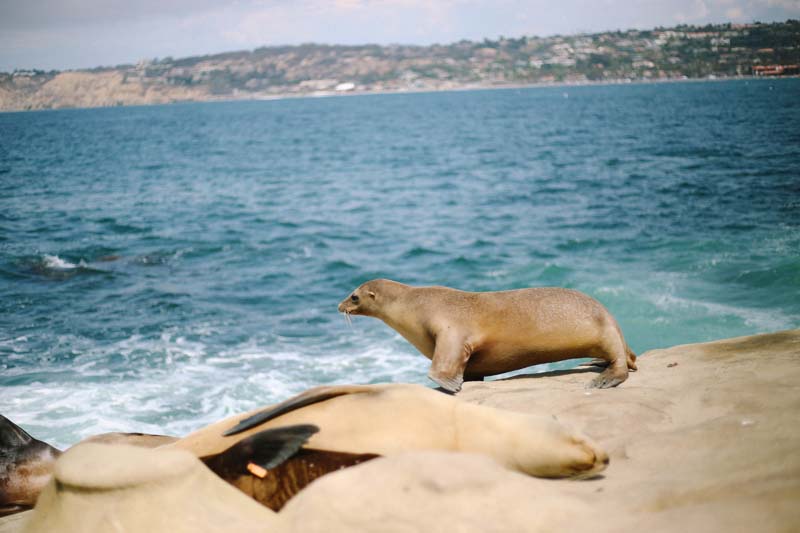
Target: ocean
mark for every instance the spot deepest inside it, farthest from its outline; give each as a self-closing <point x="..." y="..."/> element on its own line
<point x="164" y="267"/>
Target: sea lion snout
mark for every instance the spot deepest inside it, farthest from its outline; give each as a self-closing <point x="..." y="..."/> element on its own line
<point x="349" y="305"/>
<point x="361" y="301"/>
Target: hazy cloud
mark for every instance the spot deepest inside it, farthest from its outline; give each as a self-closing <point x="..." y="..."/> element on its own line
<point x="28" y="14"/>
<point x="85" y="33"/>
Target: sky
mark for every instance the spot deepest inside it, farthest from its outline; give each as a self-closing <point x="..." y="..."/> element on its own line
<point x="70" y="34"/>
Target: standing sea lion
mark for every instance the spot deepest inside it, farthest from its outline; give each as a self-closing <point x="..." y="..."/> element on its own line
<point x="475" y="334"/>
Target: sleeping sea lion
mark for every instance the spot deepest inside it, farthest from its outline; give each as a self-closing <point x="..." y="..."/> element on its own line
<point x="271" y="454"/>
<point x="469" y="335"/>
<point x="270" y="466"/>
<point x="372" y="420"/>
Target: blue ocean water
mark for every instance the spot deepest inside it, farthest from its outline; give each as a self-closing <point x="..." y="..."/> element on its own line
<point x="163" y="267"/>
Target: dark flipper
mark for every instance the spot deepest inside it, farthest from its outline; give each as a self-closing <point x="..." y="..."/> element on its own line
<point x="271" y="467"/>
<point x="309" y="397"/>
<point x="9" y="509"/>
<point x="266" y="449"/>
<point x="143" y="440"/>
<point x="25" y="464"/>
<point x="277" y="486"/>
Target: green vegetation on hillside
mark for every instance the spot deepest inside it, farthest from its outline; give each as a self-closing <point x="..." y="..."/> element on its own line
<point x="721" y="50"/>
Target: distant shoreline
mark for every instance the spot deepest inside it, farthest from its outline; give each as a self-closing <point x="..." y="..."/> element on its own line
<point x="713" y="52"/>
<point x="538" y="85"/>
<point x="464" y="88"/>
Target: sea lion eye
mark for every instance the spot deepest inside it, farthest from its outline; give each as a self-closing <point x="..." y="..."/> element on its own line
<point x="354" y="299"/>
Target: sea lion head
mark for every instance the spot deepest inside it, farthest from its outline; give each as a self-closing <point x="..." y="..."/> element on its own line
<point x="364" y="300"/>
<point x="25" y="467"/>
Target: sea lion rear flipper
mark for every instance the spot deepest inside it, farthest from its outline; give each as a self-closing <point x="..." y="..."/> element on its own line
<point x="594" y="363"/>
<point x="449" y="361"/>
<point x="309" y="397"/>
<point x="266" y="449"/>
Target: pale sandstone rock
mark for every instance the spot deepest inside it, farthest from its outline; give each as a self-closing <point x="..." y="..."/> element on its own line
<point x="704" y="437"/>
<point x="431" y="492"/>
<point x="99" y="488"/>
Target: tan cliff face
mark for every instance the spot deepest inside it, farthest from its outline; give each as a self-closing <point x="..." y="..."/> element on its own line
<point x="90" y="89"/>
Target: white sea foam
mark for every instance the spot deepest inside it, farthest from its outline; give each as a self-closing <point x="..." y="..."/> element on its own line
<point x="173" y="386"/>
<point x="763" y="321"/>
<point x="55" y="262"/>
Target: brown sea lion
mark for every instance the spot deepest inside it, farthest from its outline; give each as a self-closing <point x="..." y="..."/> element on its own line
<point x="371" y="420"/>
<point x="26" y="463"/>
<point x="470" y="335"/>
<point x="270" y="466"/>
<point x="25" y="467"/>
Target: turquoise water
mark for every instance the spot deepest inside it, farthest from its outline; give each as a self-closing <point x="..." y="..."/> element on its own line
<point x="239" y="226"/>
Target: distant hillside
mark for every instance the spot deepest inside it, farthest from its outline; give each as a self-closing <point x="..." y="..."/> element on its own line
<point x="664" y="53"/>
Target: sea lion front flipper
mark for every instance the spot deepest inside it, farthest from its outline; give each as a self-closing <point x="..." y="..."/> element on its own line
<point x="266" y="450"/>
<point x="450" y="358"/>
<point x="272" y="466"/>
<point x="311" y="396"/>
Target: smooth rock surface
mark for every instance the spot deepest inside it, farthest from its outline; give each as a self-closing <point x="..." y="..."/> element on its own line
<point x="704" y="437"/>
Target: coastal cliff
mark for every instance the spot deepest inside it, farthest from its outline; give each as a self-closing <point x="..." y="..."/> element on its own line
<point x="721" y="50"/>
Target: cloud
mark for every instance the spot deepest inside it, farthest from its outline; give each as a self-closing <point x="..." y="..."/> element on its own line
<point x="346" y="22"/>
<point x="696" y="11"/>
<point x="734" y="13"/>
<point x="33" y="14"/>
<point x="348" y="4"/>
<point x="789" y="5"/>
<point x="85" y="33"/>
